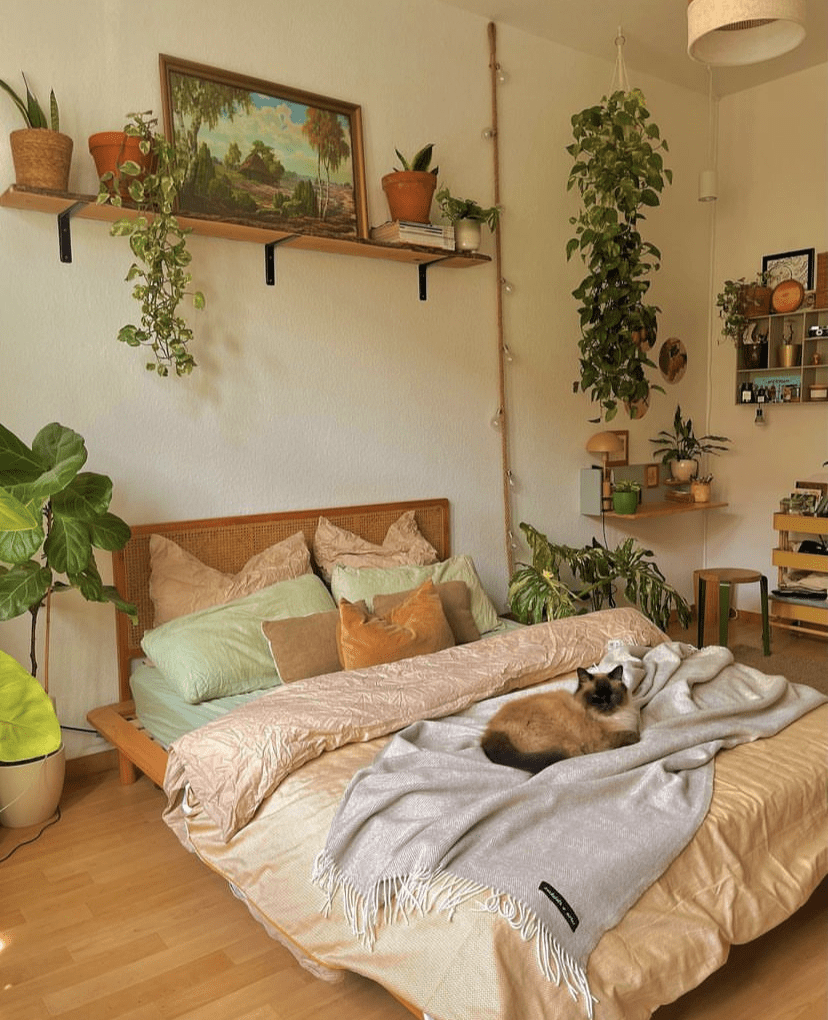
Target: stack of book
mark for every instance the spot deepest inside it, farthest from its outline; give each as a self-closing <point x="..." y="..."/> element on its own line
<point x="402" y="232"/>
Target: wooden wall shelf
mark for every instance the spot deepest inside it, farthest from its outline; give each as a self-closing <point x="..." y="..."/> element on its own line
<point x="665" y="509"/>
<point x="66" y="206"/>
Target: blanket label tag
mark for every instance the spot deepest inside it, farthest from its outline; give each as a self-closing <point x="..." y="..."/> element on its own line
<point x="569" y="914"/>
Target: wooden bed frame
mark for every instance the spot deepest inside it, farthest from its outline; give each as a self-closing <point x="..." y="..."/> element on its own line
<point x="225" y="543"/>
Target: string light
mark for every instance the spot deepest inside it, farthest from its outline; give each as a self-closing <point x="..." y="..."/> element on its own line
<point x="487" y="134"/>
<point x="507" y="354"/>
<point x="497" y="419"/>
<point x="508" y="288"/>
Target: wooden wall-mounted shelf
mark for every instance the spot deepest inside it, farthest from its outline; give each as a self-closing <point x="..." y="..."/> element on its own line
<point x="664" y="509"/>
<point x="66" y="206"/>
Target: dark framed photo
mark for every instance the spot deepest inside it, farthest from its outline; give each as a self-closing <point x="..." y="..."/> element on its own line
<point x="289" y="159"/>
<point x="651" y="476"/>
<point x="620" y="459"/>
<point x="790" y="265"/>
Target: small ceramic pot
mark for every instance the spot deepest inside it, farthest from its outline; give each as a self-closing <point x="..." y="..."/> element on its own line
<point x="466" y="235"/>
<point x="683" y="470"/>
<point x="700" y="491"/>
<point x="625" y="502"/>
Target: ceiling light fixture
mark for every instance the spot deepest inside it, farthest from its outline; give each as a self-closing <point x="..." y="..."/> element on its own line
<point x="733" y="32"/>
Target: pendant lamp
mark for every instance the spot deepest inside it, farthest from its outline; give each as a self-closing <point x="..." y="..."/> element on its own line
<point x="733" y="32"/>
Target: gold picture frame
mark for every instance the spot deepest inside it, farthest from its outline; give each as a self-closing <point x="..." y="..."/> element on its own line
<point x="651" y="476"/>
<point x="289" y="159"/>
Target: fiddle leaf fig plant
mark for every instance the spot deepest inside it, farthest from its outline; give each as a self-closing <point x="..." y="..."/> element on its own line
<point x="619" y="171"/>
<point x="159" y="244"/>
<point x="66" y="516"/>
<point x="537" y="591"/>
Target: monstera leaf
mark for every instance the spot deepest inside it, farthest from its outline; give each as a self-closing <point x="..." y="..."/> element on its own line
<point x="29" y="727"/>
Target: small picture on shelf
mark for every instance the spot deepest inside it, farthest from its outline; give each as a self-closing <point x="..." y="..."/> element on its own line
<point x="818" y="489"/>
<point x="651" y="476"/>
<point x="803" y="503"/>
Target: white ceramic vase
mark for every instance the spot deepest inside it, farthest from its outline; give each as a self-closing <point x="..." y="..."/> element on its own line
<point x="466" y="235"/>
<point x="683" y="470"/>
<point x="30" y="790"/>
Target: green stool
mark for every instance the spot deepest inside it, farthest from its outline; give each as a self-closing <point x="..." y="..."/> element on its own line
<point x="725" y="577"/>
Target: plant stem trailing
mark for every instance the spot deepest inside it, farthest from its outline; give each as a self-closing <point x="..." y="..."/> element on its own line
<point x="159" y="243"/>
<point x="618" y="171"/>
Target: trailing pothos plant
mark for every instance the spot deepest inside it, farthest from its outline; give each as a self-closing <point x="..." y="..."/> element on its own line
<point x="618" y="170"/>
<point x="159" y="243"/>
<point x="52" y="517"/>
<point x="537" y="591"/>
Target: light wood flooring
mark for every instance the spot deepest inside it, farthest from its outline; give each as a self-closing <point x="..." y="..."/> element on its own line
<point x="107" y="917"/>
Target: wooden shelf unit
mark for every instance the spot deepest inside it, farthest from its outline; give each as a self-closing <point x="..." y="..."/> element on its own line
<point x="805" y="374"/>
<point x="66" y="206"/>
<point x="664" y="509"/>
<point x="804" y="615"/>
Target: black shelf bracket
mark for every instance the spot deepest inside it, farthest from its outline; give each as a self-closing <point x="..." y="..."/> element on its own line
<point x="65" y="231"/>
<point x="422" y="269"/>
<point x="270" y="258"/>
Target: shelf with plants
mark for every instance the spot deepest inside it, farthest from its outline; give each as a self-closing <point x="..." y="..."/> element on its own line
<point x="789" y="612"/>
<point x="66" y="206"/>
<point x="764" y="365"/>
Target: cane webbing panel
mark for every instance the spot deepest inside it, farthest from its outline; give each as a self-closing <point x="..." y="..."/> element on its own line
<point x="227" y="543"/>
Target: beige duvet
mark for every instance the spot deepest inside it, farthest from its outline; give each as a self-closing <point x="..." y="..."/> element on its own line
<point x="261" y="821"/>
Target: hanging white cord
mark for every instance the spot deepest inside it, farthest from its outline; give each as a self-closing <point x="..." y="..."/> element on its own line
<point x="712" y="314"/>
<point x="620" y="82"/>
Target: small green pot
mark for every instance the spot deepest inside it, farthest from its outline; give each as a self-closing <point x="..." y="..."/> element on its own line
<point x="625" y="502"/>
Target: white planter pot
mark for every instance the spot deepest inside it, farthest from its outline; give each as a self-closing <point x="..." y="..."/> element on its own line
<point x="30" y="790"/>
<point x="683" y="470"/>
<point x="466" y="235"/>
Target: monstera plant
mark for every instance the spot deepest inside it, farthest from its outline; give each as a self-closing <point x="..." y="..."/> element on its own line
<point x="52" y="518"/>
<point x="619" y="171"/>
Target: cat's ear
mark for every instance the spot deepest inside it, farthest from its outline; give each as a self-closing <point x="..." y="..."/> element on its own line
<point x="584" y="676"/>
<point x="617" y="673"/>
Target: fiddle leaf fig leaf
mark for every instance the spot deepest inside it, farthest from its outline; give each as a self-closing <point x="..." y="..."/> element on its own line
<point x="22" y="587"/>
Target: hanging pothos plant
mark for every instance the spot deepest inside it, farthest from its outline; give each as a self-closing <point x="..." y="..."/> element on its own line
<point x="159" y="244"/>
<point x="619" y="171"/>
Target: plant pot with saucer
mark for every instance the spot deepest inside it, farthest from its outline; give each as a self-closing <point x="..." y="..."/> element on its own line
<point x="409" y="191"/>
<point x="41" y="153"/>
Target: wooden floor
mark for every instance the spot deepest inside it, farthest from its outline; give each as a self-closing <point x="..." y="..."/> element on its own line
<point x="106" y="917"/>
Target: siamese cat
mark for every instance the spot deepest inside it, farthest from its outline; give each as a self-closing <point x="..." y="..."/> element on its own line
<point x="534" y="732"/>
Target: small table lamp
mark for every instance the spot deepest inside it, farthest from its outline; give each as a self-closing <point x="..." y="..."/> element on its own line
<point x="605" y="443"/>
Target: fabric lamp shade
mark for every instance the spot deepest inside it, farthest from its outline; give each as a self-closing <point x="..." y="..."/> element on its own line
<point x="603" y="444"/>
<point x="735" y="32"/>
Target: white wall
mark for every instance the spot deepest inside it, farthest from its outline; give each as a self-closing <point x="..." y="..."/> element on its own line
<point x="338" y="385"/>
<point x="774" y="198"/>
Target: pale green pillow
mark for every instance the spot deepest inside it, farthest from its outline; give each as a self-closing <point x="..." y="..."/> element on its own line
<point x="354" y="583"/>
<point x="222" y="651"/>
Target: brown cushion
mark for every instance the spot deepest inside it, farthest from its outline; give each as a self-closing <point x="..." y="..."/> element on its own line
<point x="455" y="599"/>
<point x="417" y="626"/>
<point x="403" y="545"/>
<point x="181" y="584"/>
<point x="304" y="646"/>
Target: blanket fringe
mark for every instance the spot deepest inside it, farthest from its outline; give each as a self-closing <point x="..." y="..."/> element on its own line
<point x="401" y="897"/>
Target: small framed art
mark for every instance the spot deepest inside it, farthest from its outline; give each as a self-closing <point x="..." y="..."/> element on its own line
<point x="790" y="265"/>
<point x="651" y="476"/>
<point x="287" y="158"/>
<point x="621" y="458"/>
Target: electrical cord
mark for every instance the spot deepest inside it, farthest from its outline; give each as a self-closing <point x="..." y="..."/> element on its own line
<point x="34" y="839"/>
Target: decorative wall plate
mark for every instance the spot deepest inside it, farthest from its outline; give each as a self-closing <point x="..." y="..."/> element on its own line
<point x="672" y="359"/>
<point x="787" y="296"/>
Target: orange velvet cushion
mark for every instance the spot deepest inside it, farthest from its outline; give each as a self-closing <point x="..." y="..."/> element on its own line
<point x="417" y="626"/>
<point x="455" y="598"/>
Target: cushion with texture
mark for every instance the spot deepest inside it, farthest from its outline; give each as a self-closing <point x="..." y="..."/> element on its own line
<point x="455" y="599"/>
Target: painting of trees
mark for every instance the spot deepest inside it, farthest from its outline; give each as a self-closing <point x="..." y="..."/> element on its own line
<point x="324" y="131"/>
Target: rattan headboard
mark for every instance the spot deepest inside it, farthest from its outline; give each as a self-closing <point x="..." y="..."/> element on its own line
<point x="227" y="543"/>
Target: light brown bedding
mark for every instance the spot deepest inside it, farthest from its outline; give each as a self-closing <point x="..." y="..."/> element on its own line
<point x="760" y="852"/>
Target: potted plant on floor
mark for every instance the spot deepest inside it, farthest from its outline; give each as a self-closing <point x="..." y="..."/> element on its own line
<point x="466" y="216"/>
<point x="409" y="190"/>
<point x="537" y="591"/>
<point x="42" y="155"/>
<point x="159" y="244"/>
<point x="618" y="171"/>
<point x="682" y="448"/>
<point x="52" y="517"/>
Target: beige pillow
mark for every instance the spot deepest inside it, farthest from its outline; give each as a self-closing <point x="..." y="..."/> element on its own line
<point x="403" y="545"/>
<point x="417" y="626"/>
<point x="455" y="599"/>
<point x="304" y="645"/>
<point x="181" y="584"/>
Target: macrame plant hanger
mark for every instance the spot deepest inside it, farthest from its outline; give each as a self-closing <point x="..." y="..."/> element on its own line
<point x="620" y="82"/>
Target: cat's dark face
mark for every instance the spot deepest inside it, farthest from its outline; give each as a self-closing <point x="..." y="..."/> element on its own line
<point x="602" y="692"/>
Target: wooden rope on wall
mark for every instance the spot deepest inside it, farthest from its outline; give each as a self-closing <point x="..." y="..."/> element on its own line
<point x="502" y="417"/>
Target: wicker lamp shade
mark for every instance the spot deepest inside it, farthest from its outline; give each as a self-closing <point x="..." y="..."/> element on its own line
<point x="734" y="32"/>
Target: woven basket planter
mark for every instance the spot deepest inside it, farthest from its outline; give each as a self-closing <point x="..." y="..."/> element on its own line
<point x="41" y="158"/>
<point x="409" y="194"/>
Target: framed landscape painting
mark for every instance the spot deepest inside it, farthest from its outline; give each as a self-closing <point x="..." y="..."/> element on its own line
<point x="268" y="153"/>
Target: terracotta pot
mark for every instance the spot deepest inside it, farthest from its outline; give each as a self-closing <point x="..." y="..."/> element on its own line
<point x="409" y="194"/>
<point x="110" y="149"/>
<point x="42" y="158"/>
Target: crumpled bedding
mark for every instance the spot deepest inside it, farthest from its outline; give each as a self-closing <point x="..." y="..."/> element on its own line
<point x="759" y="853"/>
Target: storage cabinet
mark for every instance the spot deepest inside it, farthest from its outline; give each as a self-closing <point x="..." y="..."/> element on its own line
<point x="785" y="385"/>
<point x="791" y="613"/>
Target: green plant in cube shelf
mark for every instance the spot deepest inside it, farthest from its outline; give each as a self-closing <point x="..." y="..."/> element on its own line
<point x="159" y="244"/>
<point x="30" y="109"/>
<point x="455" y="209"/>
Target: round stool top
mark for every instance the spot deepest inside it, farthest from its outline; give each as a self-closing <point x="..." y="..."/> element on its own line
<point x="730" y="575"/>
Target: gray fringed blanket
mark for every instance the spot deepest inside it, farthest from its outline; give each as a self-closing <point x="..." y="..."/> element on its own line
<point x="562" y="855"/>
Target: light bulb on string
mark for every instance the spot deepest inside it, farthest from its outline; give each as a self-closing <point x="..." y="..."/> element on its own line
<point x="507" y="354"/>
<point x="509" y="288"/>
<point x="497" y="419"/>
<point x="500" y="75"/>
<point x="488" y="133"/>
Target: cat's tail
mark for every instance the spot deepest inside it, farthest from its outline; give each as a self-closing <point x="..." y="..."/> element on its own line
<point x="499" y="748"/>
